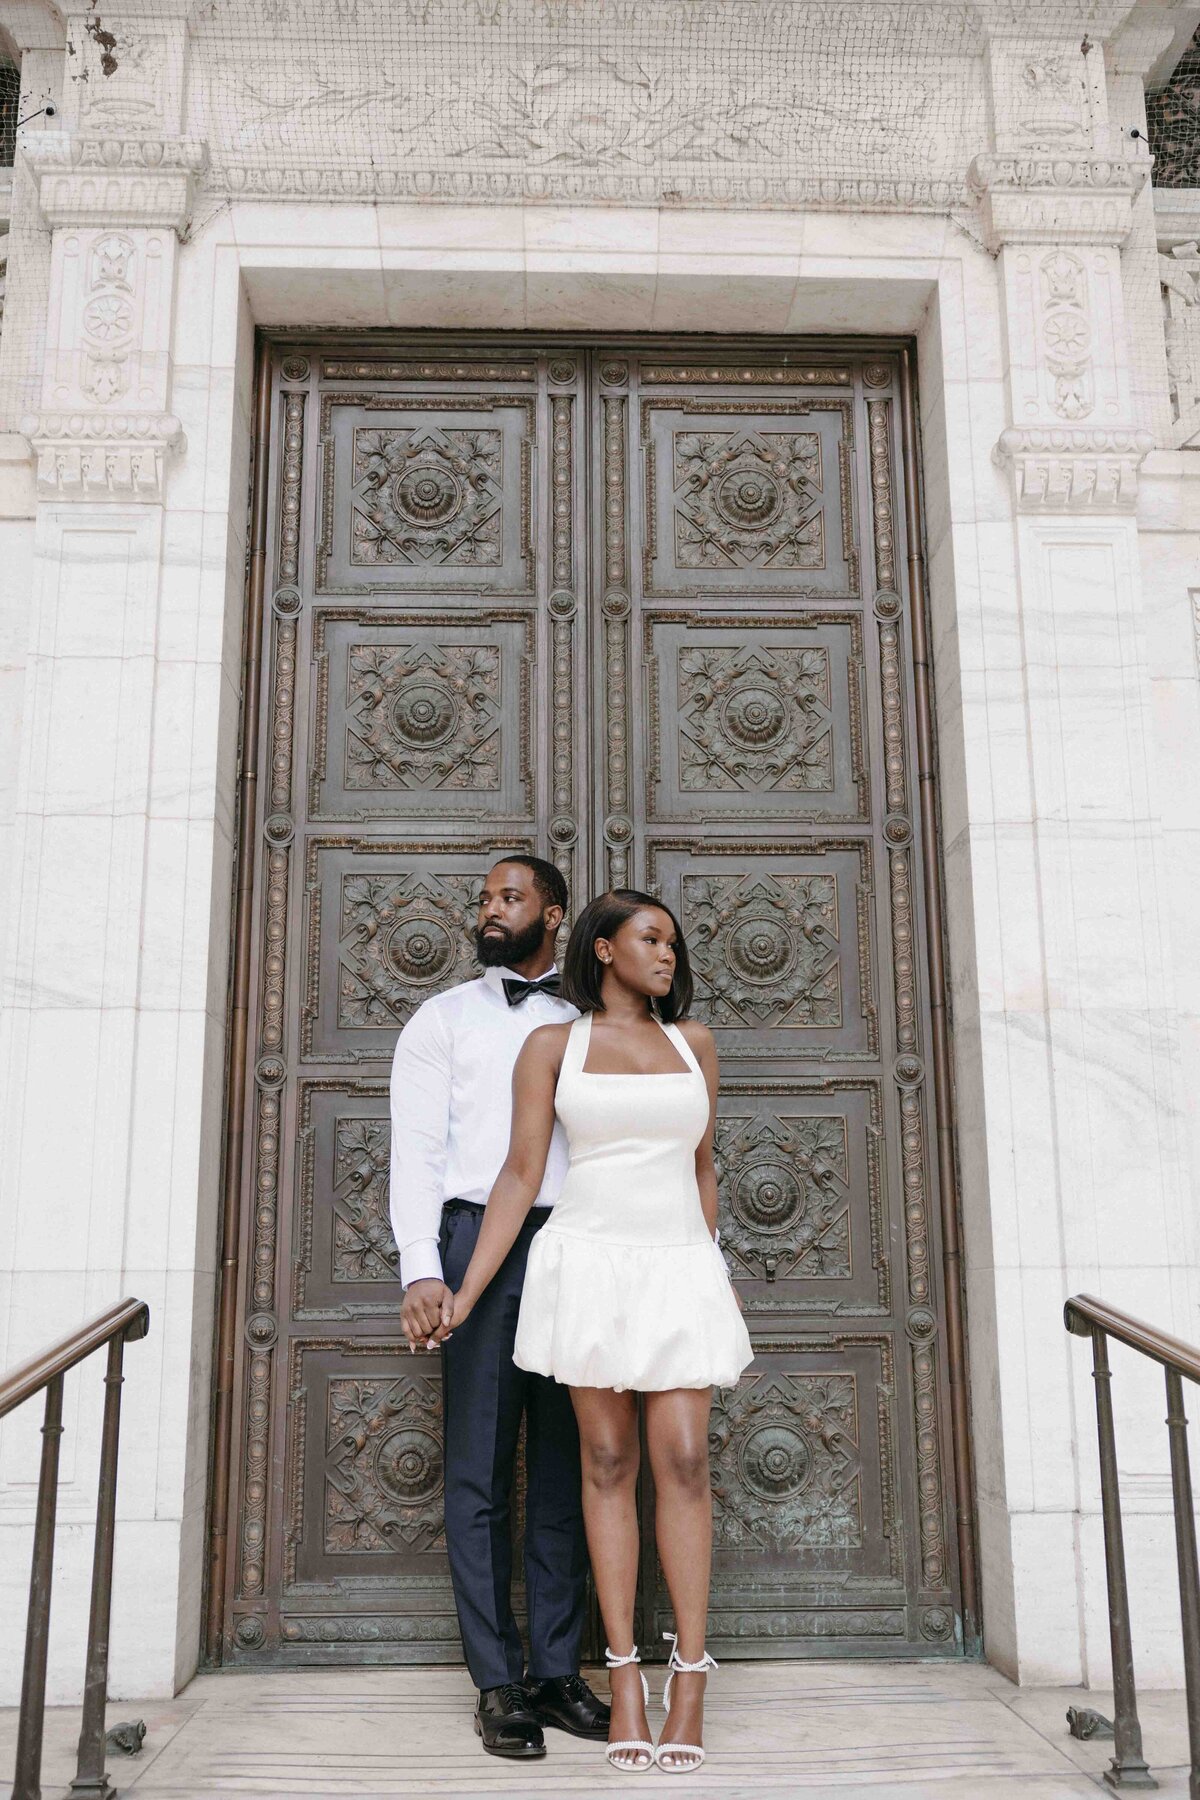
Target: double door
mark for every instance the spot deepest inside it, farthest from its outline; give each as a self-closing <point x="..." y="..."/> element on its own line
<point x="640" y="608"/>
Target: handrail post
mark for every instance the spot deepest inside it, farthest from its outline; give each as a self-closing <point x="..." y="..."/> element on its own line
<point x="1128" y="1768"/>
<point x="91" y="1777"/>
<point x="27" y="1776"/>
<point x="1189" y="1576"/>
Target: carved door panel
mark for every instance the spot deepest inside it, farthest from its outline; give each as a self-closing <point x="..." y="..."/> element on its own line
<point x="638" y="610"/>
<point x="759" y="732"/>
<point x="420" y="700"/>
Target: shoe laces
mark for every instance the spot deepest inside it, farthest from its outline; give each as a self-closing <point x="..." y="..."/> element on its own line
<point x="513" y="1695"/>
<point x="576" y="1688"/>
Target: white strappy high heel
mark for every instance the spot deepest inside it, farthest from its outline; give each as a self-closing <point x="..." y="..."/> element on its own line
<point x="626" y="1744"/>
<point x="676" y="1666"/>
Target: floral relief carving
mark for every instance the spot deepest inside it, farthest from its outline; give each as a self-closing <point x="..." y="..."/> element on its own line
<point x="1067" y="334"/>
<point x="785" y="1195"/>
<point x="748" y="500"/>
<point x="785" y="1466"/>
<point x="423" y="716"/>
<point x="383" y="1466"/>
<point x="402" y="939"/>
<point x="764" y="949"/>
<point x="427" y="496"/>
<point x="108" y="318"/>
<point x="364" y="1248"/>
<point x="755" y="720"/>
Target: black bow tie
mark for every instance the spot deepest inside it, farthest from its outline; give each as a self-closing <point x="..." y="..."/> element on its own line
<point x="516" y="990"/>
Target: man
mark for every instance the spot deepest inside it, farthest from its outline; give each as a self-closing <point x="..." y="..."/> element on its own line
<point x="451" y="1105"/>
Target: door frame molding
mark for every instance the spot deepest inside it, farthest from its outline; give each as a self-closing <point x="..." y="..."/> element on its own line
<point x="237" y="1037"/>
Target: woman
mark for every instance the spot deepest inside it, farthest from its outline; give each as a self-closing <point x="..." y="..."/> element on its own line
<point x="626" y="1291"/>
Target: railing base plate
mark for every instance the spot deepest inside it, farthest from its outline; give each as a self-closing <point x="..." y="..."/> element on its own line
<point x="1135" y="1776"/>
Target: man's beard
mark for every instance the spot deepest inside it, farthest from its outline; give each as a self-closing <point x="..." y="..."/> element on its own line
<point x="503" y="949"/>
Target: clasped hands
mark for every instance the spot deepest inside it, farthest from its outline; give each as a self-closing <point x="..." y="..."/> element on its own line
<point x="430" y="1313"/>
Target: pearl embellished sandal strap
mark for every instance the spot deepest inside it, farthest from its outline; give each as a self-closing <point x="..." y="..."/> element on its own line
<point x="677" y="1666"/>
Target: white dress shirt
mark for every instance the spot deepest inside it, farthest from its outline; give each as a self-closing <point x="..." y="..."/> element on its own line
<point x="451" y="1100"/>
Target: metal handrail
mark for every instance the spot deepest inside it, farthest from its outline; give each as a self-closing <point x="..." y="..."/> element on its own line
<point x="1085" y="1316"/>
<point x="126" y="1322"/>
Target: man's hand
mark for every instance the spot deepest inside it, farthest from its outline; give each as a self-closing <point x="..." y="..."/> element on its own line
<point x="426" y="1313"/>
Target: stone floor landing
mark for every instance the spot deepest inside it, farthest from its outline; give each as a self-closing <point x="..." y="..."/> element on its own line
<point x="811" y="1729"/>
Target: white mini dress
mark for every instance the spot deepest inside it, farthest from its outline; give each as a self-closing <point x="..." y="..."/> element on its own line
<point x="624" y="1287"/>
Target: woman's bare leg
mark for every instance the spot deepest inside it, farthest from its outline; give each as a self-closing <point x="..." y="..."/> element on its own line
<point x="608" y="1449"/>
<point x="677" y="1437"/>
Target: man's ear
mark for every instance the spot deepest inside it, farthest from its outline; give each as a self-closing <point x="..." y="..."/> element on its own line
<point x="552" y="918"/>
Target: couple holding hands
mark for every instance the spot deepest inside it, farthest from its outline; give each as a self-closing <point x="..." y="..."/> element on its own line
<point x="554" y="1200"/>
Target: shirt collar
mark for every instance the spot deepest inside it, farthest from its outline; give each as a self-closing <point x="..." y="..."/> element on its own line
<point x="495" y="978"/>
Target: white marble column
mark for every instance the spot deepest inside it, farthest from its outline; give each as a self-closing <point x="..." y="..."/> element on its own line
<point x="110" y="1038"/>
<point x="1079" y="1038"/>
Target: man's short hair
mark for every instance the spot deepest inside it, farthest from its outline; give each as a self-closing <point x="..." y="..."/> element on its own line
<point x="549" y="881"/>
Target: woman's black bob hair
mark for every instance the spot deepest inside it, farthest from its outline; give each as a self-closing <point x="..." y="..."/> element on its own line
<point x="603" y="917"/>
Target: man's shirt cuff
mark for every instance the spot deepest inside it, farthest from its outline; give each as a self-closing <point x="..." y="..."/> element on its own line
<point x="420" y="1261"/>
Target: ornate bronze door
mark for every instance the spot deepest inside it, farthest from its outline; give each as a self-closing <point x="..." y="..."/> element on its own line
<point x="639" y="608"/>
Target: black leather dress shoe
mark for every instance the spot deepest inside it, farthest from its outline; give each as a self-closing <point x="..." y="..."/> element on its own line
<point x="569" y="1703"/>
<point x="506" y="1723"/>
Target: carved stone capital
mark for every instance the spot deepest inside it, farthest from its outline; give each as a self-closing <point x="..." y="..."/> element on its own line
<point x="1079" y="470"/>
<point x="85" y="179"/>
<point x="1055" y="197"/>
<point x="102" y="456"/>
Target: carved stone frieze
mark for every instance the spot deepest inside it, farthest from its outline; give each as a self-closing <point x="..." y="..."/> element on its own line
<point x="1076" y="469"/>
<point x="102" y="455"/>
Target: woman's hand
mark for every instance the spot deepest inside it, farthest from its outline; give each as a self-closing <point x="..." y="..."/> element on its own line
<point x="463" y="1307"/>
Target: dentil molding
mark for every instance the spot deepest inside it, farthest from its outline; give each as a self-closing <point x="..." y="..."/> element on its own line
<point x="83" y="179"/>
<point x="102" y="455"/>
<point x="1074" y="470"/>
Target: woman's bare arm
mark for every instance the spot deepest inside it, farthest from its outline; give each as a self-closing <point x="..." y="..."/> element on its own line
<point x="515" y="1189"/>
<point x="704" y="1049"/>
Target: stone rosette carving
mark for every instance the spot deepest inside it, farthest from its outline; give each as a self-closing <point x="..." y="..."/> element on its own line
<point x="785" y="1467"/>
<point x="383" y="1466"/>
<point x="102" y="455"/>
<point x="1074" y="470"/>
